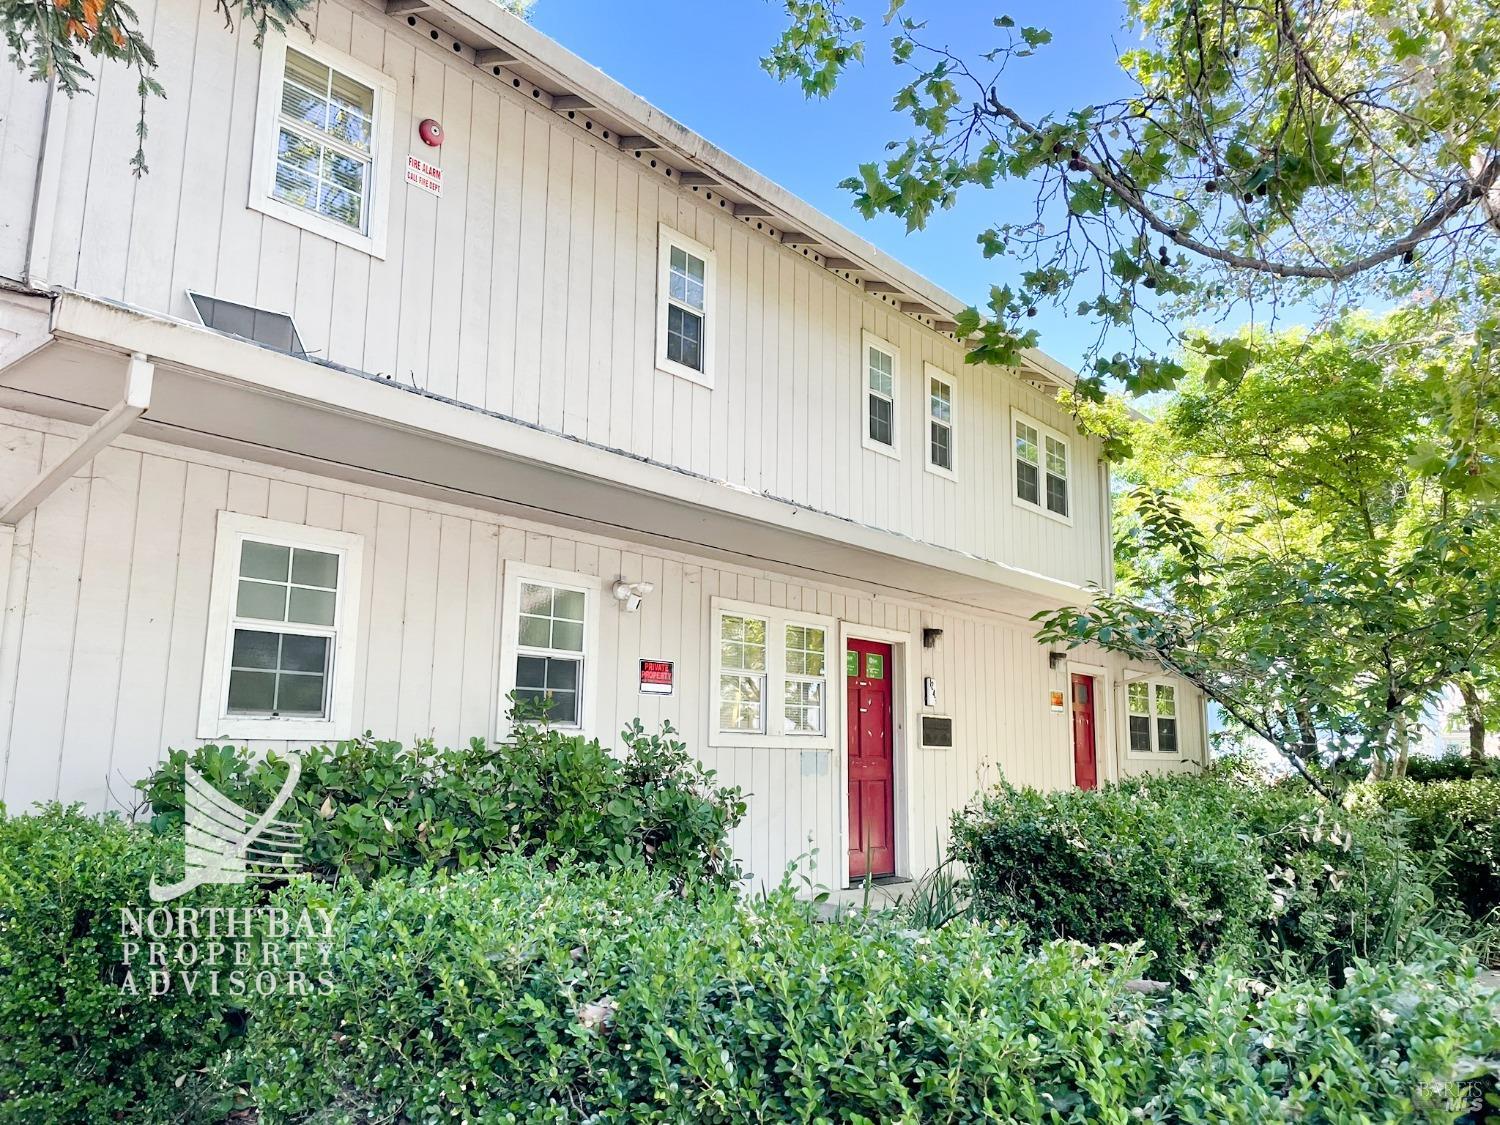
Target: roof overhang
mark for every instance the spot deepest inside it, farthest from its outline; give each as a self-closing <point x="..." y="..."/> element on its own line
<point x="233" y="397"/>
<point x="513" y="52"/>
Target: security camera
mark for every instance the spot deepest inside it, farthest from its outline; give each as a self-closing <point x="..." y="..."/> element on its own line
<point x="629" y="594"/>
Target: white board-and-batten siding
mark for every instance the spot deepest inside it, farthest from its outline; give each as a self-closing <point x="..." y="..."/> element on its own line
<point x="529" y="287"/>
<point x="109" y="602"/>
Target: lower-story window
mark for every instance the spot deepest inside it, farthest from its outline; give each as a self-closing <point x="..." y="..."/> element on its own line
<point x="279" y="661"/>
<point x="771" y="675"/>
<point x="549" y="638"/>
<point x="1152" y="715"/>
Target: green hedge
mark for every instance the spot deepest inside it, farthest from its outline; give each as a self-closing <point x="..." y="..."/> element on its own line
<point x="368" y="807"/>
<point x="74" y="1044"/>
<point x="1196" y="869"/>
<point x="1457" y="824"/>
<point x="524" y="995"/>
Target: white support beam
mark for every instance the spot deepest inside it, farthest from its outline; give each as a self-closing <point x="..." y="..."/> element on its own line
<point x="493" y="56"/>
<point x="115" y="422"/>
<point x="571" y="101"/>
<point x="696" y="179"/>
<point x="402" y="7"/>
<point x="642" y="144"/>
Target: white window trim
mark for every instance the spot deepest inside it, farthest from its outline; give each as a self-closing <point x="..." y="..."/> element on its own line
<point x="776" y="620"/>
<point x="667" y="237"/>
<point x="1153" y="755"/>
<point x="592" y="589"/>
<point x="214" y="721"/>
<point x="1044" y="431"/>
<point x="931" y="371"/>
<point x="372" y="240"/>
<point x="869" y="340"/>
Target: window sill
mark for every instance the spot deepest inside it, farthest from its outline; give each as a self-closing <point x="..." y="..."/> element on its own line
<point x="939" y="471"/>
<point x="314" y="223"/>
<point x="1154" y="756"/>
<point x="724" y="740"/>
<point x="1037" y="509"/>
<point x="682" y="371"/>
<point x="276" y="730"/>
<point x="884" y="450"/>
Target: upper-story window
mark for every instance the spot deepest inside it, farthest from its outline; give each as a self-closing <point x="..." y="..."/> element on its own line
<point x="882" y="378"/>
<point x="281" y="637"/>
<point x="324" y="141"/>
<point x="323" y="144"/>
<point x="685" y="316"/>
<point x="1042" y="468"/>
<point x="1152" y="708"/>
<point x="940" y="408"/>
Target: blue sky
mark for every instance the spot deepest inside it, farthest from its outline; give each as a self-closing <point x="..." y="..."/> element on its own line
<point x="699" y="61"/>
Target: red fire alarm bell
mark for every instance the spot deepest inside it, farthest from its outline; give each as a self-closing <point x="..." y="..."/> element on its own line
<point x="431" y="132"/>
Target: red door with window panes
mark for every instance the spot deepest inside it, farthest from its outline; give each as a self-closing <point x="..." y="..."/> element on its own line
<point x="872" y="773"/>
<point x="1085" y="764"/>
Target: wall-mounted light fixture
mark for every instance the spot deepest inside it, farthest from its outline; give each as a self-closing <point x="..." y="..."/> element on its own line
<point x="930" y="637"/>
<point x="629" y="594"/>
<point x="1055" y="658"/>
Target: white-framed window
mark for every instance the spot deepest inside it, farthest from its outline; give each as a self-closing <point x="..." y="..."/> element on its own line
<point x="1151" y="712"/>
<point x="881" y="378"/>
<point x="685" y="314"/>
<point x="324" y="143"/>
<point x="283" y="618"/>
<point x="941" y="408"/>
<point x="1043" y="468"/>
<point x="771" y="676"/>
<point x="549" y="644"/>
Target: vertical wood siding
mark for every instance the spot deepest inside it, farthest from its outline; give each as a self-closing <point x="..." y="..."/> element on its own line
<point x="110" y="596"/>
<point x="529" y="287"/>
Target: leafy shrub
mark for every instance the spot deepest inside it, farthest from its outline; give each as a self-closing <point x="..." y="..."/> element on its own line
<point x="369" y="807"/>
<point x="1196" y="869"/>
<point x="1457" y="824"/>
<point x="519" y="994"/>
<point x="74" y="1045"/>
<point x="1451" y="766"/>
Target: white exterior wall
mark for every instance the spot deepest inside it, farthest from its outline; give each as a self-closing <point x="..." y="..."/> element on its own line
<point x="108" y="611"/>
<point x="529" y="288"/>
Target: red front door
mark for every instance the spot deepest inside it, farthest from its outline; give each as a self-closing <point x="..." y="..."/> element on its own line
<point x="872" y="810"/>
<point x="1085" y="767"/>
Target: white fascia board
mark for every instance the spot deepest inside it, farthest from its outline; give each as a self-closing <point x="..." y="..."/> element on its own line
<point x="166" y="341"/>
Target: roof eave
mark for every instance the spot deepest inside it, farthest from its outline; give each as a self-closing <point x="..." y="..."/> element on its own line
<point x="493" y="38"/>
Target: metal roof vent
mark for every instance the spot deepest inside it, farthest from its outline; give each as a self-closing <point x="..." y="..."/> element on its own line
<point x="269" y="329"/>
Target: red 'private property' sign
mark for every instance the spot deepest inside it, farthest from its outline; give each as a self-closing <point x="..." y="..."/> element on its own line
<point x="656" y="677"/>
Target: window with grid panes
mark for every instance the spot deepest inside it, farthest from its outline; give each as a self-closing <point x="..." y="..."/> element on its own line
<point x="283" y="631"/>
<point x="742" y="673"/>
<point x="324" y="141"/>
<point x="550" y="655"/>
<point x="880" y="408"/>
<point x="805" y="688"/>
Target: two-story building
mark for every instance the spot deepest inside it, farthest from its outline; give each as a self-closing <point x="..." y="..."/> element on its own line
<point x="429" y="365"/>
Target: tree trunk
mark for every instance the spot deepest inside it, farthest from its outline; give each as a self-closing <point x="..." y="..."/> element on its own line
<point x="1403" y="749"/>
<point x="1474" y="710"/>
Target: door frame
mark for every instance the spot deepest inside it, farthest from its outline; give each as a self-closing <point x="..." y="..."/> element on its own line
<point x="1104" y="726"/>
<point x="903" y="710"/>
